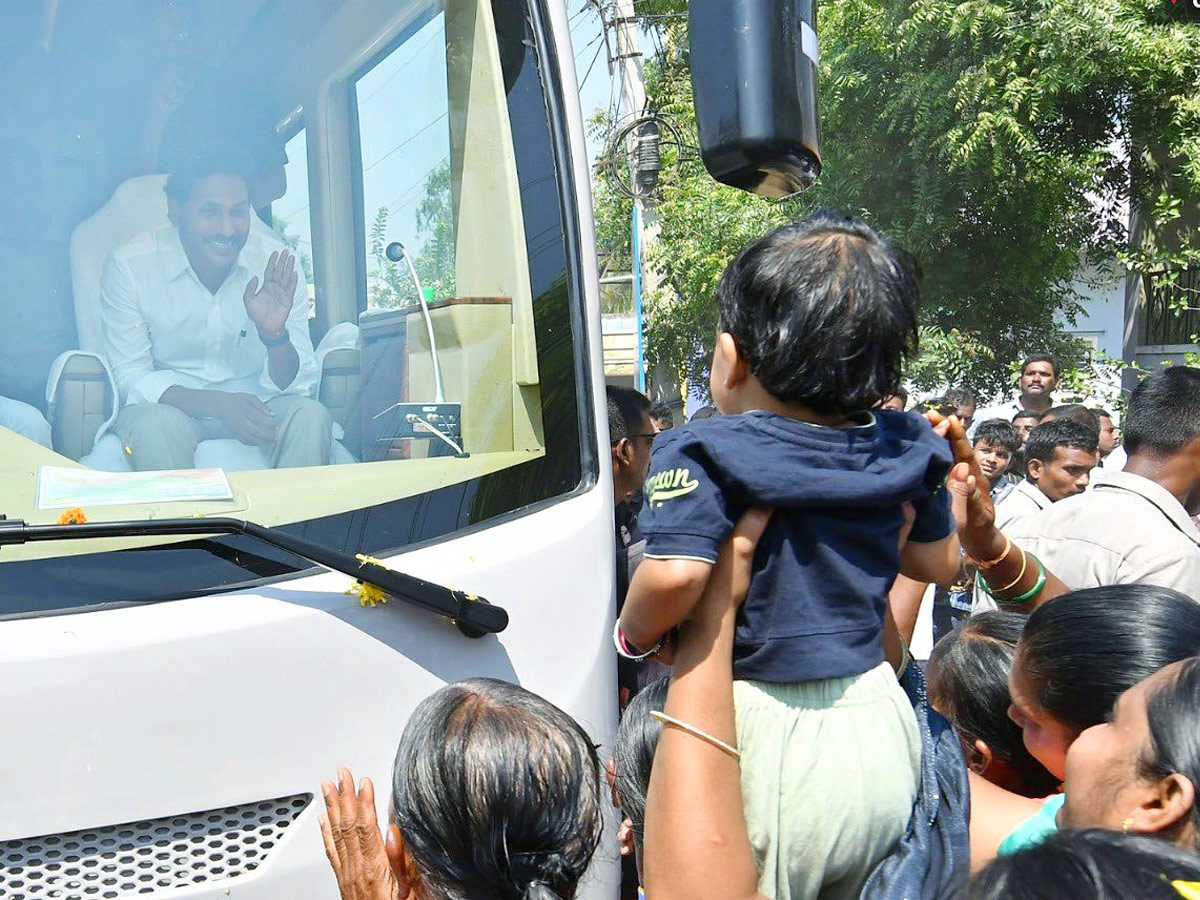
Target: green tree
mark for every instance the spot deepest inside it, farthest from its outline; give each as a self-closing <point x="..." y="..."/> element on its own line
<point x="435" y="224"/>
<point x="389" y="284"/>
<point x="1000" y="142"/>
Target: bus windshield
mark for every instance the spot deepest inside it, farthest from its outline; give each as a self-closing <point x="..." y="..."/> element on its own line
<point x="300" y="263"/>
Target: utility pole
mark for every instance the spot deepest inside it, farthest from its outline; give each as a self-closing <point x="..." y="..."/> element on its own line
<point x="629" y="58"/>
<point x="644" y="230"/>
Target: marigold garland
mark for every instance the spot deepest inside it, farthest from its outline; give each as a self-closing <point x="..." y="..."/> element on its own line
<point x="368" y="594"/>
<point x="73" y="516"/>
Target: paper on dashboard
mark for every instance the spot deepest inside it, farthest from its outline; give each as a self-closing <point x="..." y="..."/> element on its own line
<point x="61" y="487"/>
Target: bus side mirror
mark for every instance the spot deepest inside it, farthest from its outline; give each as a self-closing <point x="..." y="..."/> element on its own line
<point x="754" y="76"/>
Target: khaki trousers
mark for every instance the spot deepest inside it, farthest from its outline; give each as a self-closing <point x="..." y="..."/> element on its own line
<point x="159" y="436"/>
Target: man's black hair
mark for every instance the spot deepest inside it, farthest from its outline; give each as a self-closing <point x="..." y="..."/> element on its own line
<point x="1076" y="411"/>
<point x="958" y="397"/>
<point x="1045" y="439"/>
<point x="1101" y="413"/>
<point x="625" y="410"/>
<point x="205" y="162"/>
<point x="1027" y="414"/>
<point x="998" y="433"/>
<point x="662" y="411"/>
<point x="902" y="393"/>
<point x="1041" y="356"/>
<point x="1164" y="412"/>
<point x="824" y="311"/>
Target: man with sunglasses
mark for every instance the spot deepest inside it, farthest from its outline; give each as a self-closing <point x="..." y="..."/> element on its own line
<point x="631" y="434"/>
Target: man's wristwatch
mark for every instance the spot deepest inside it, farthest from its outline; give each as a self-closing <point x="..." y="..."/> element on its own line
<point x="274" y="340"/>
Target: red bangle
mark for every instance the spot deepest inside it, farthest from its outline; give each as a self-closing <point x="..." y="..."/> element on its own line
<point x="627" y="651"/>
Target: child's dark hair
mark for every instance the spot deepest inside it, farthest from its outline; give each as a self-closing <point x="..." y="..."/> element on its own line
<point x="824" y="311"/>
<point x="998" y="433"/>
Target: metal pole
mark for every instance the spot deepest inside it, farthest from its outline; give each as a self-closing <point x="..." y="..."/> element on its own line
<point x="633" y="97"/>
<point x="639" y="370"/>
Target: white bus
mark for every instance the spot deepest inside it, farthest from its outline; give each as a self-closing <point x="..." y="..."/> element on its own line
<point x="181" y="663"/>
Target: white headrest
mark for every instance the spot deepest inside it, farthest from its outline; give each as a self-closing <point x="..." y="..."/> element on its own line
<point x="138" y="205"/>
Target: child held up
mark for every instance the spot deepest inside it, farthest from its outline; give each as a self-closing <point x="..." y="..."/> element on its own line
<point x="815" y="322"/>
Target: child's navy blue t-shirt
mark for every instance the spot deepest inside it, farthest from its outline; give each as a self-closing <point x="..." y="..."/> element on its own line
<point x="831" y="551"/>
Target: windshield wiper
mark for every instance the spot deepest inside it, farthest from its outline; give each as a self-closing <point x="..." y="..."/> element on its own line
<point x="473" y="615"/>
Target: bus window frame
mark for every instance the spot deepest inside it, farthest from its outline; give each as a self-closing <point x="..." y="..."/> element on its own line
<point x="546" y="62"/>
<point x="405" y="34"/>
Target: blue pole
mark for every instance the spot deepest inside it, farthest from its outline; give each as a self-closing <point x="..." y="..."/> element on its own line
<point x="639" y="366"/>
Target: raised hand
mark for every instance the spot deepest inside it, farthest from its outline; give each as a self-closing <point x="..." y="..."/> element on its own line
<point x="970" y="499"/>
<point x="355" y="847"/>
<point x="268" y="306"/>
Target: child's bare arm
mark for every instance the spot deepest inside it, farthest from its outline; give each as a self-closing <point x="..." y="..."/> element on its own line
<point x="936" y="562"/>
<point x="661" y="595"/>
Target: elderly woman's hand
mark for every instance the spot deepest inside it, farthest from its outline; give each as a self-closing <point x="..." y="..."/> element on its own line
<point x="354" y="844"/>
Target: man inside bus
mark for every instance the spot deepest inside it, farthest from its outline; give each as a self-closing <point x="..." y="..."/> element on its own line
<point x="206" y="328"/>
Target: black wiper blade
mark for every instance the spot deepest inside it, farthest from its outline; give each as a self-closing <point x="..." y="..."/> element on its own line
<point x="473" y="615"/>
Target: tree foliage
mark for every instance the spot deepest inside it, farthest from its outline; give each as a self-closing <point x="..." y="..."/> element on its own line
<point x="389" y="284"/>
<point x="1003" y="143"/>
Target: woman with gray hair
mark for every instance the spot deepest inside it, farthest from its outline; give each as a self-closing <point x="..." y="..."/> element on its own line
<point x="495" y="796"/>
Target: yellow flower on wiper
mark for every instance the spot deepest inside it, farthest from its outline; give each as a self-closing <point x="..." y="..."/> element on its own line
<point x="73" y="516"/>
<point x="368" y="594"/>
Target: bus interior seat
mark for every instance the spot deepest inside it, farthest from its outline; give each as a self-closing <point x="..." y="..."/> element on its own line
<point x="83" y="398"/>
<point x="35" y="290"/>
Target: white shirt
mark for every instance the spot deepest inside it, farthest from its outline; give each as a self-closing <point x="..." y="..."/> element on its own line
<point x="1127" y="530"/>
<point x="162" y="326"/>
<point x="1005" y="411"/>
<point x="1025" y="499"/>
<point x="1115" y="461"/>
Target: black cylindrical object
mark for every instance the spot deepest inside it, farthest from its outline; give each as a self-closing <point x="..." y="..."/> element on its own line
<point x="754" y="74"/>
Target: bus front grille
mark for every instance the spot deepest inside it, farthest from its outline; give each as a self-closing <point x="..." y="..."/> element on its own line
<point x="147" y="856"/>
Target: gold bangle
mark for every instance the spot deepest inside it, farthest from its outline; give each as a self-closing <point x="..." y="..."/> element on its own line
<point x="1012" y="584"/>
<point x="984" y="565"/>
<point x="696" y="732"/>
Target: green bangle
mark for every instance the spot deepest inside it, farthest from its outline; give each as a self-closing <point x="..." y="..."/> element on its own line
<point x="1029" y="594"/>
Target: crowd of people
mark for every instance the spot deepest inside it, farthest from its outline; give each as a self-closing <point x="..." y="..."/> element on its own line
<point x="777" y="738"/>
